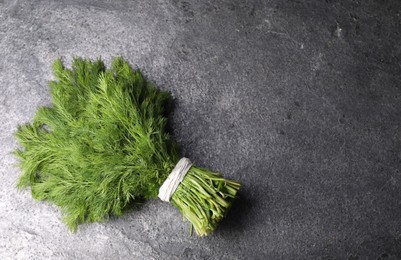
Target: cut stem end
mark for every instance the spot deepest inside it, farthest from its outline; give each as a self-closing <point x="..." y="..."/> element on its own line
<point x="204" y="198"/>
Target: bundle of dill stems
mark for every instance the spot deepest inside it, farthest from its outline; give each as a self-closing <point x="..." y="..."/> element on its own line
<point x="102" y="147"/>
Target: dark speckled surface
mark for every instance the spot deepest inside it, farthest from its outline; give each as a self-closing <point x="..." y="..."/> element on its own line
<point x="298" y="100"/>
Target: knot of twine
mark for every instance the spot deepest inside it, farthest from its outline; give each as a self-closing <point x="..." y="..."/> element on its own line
<point x="174" y="179"/>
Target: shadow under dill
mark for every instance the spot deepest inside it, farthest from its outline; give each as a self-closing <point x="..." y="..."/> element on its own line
<point x="237" y="216"/>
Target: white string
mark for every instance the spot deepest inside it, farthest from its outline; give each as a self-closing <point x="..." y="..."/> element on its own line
<point x="174" y="179"/>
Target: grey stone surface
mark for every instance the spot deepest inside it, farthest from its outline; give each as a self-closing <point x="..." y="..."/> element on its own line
<point x="298" y="100"/>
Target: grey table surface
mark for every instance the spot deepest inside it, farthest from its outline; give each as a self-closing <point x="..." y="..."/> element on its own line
<point x="298" y="100"/>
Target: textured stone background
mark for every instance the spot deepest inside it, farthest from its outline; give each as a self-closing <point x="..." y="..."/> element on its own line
<point x="298" y="100"/>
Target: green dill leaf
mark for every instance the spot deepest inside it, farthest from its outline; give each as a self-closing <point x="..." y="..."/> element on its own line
<point x="101" y="146"/>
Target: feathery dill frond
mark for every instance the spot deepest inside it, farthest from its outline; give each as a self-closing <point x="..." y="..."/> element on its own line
<point x="101" y="146"/>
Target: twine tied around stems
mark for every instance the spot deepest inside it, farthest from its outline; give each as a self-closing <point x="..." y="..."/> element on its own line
<point x="174" y="179"/>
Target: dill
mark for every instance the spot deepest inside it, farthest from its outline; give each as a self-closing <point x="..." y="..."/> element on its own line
<point x="103" y="146"/>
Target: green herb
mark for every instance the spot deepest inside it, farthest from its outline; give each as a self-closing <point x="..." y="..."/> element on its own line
<point x="102" y="147"/>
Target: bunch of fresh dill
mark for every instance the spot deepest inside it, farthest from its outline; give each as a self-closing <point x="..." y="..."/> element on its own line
<point x="103" y="146"/>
